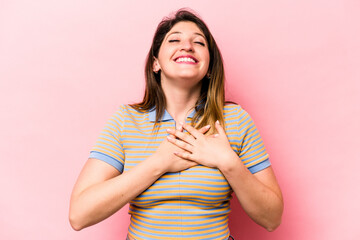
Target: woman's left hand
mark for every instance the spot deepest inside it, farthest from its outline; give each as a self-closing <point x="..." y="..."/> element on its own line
<point x="210" y="151"/>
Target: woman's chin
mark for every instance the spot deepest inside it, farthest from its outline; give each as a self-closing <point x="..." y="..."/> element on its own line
<point x="190" y="77"/>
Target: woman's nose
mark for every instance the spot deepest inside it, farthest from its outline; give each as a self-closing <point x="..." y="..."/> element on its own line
<point x="187" y="46"/>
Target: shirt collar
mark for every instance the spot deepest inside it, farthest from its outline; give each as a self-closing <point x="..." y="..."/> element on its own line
<point x="166" y="116"/>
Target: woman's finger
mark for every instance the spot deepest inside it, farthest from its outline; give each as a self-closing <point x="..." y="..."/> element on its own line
<point x="185" y="155"/>
<point x="181" y="144"/>
<point x="179" y="127"/>
<point x="181" y="135"/>
<point x="192" y="131"/>
<point x="219" y="128"/>
<point x="204" y="129"/>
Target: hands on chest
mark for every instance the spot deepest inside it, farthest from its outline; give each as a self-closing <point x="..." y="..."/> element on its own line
<point x="211" y="151"/>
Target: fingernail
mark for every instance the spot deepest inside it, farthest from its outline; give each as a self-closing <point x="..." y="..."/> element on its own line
<point x="168" y="137"/>
<point x="207" y="126"/>
<point x="179" y="127"/>
<point x="181" y="123"/>
<point x="215" y="135"/>
<point x="169" y="130"/>
<point x="217" y="122"/>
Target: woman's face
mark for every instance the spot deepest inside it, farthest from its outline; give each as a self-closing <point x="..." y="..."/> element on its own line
<point x="183" y="56"/>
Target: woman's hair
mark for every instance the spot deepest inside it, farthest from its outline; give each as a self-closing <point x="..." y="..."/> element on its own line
<point x="209" y="106"/>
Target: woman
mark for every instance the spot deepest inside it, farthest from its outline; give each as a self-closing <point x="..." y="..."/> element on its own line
<point x="177" y="156"/>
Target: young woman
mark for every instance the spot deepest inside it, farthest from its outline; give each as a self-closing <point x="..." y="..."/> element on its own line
<point x="177" y="156"/>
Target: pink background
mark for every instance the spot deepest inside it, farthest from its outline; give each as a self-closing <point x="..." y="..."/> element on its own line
<point x="65" y="66"/>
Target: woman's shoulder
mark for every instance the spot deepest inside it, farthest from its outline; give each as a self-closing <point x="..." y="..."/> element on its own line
<point x="128" y="110"/>
<point x="231" y="108"/>
<point x="234" y="110"/>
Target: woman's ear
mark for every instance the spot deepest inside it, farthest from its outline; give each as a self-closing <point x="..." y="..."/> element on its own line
<point x="156" y="65"/>
<point x="208" y="75"/>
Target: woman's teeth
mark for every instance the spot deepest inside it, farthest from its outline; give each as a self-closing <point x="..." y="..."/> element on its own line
<point x="185" y="59"/>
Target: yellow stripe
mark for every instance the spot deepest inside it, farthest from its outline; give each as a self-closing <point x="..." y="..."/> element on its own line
<point x="110" y="153"/>
<point x="107" y="151"/>
<point x="106" y="143"/>
<point x="233" y="117"/>
<point x="262" y="156"/>
<point x="254" y="151"/>
<point x="167" y="217"/>
<point x="142" y="197"/>
<point x="182" y="233"/>
<point x="142" y="151"/>
<point x="192" y="186"/>
<point x="249" y="143"/>
<point x="106" y="140"/>
<point x="142" y="139"/>
<point x="177" y="191"/>
<point x="148" y="235"/>
<point x="185" y="200"/>
<point x="212" y="212"/>
<point x="218" y="224"/>
<point x="113" y="127"/>
<point x="183" y="204"/>
<point x="208" y="177"/>
<point x="205" y="170"/>
<point x="258" y="161"/>
<point x="197" y="200"/>
<point x="235" y="127"/>
<point x="250" y="136"/>
<point x="201" y="221"/>
<point x="245" y="129"/>
<point x="176" y="181"/>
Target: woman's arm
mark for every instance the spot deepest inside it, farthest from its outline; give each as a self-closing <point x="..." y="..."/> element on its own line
<point x="101" y="190"/>
<point x="259" y="194"/>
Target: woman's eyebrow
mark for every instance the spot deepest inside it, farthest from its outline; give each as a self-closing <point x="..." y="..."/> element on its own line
<point x="195" y="33"/>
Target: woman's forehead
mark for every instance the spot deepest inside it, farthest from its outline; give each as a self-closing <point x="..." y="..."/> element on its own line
<point x="185" y="27"/>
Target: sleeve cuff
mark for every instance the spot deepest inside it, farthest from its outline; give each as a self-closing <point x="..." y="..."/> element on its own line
<point x="260" y="166"/>
<point x="113" y="162"/>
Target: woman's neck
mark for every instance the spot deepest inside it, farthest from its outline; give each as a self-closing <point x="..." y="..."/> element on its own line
<point x="180" y="101"/>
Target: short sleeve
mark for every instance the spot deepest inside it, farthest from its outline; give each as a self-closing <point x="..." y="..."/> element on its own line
<point x="252" y="150"/>
<point x="108" y="147"/>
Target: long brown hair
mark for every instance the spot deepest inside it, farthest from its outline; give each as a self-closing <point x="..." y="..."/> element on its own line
<point x="209" y="106"/>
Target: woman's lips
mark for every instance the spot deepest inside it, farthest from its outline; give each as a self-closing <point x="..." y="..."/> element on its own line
<point x="187" y="59"/>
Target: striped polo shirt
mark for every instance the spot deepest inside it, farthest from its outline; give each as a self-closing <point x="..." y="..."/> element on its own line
<point x="193" y="203"/>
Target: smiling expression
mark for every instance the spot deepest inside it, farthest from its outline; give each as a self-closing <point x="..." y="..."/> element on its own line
<point x="183" y="54"/>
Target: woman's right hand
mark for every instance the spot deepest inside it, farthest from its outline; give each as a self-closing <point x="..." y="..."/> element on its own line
<point x="168" y="161"/>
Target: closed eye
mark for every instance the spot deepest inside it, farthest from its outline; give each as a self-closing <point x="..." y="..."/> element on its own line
<point x="174" y="40"/>
<point x="201" y="43"/>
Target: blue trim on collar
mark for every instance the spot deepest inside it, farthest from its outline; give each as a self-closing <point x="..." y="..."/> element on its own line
<point x="166" y="116"/>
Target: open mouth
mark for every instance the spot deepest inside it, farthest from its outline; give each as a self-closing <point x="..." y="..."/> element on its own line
<point x="186" y="59"/>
